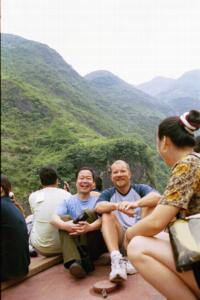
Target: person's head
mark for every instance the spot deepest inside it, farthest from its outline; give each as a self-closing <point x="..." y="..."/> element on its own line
<point x="98" y="185"/>
<point x="84" y="181"/>
<point x="48" y="176"/>
<point x="121" y="175"/>
<point x="176" y="134"/>
<point x="66" y="186"/>
<point x="5" y="185"/>
<point x="6" y="190"/>
<point x="197" y="144"/>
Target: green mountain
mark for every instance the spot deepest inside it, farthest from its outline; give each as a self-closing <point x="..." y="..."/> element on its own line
<point x="52" y="115"/>
<point x="136" y="110"/>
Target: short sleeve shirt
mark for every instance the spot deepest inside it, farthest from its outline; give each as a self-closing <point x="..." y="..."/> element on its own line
<point x="43" y="203"/>
<point x="136" y="192"/>
<point x="74" y="206"/>
<point x="183" y="189"/>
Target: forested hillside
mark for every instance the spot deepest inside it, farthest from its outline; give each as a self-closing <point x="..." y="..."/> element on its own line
<point x="52" y="115"/>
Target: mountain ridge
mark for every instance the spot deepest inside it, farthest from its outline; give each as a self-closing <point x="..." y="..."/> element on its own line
<point x="52" y="115"/>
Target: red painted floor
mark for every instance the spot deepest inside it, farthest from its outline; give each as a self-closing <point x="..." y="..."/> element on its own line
<point x="57" y="284"/>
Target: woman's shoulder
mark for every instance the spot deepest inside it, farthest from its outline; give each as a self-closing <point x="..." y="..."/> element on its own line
<point x="189" y="163"/>
<point x="190" y="158"/>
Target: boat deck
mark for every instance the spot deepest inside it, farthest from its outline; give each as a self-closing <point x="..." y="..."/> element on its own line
<point x="55" y="283"/>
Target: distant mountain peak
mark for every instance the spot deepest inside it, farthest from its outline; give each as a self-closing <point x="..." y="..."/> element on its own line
<point x="156" y="85"/>
<point x="102" y="76"/>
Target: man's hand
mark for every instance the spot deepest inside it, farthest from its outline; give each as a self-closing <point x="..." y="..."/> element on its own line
<point x="127" y="207"/>
<point x="83" y="227"/>
<point x="70" y="226"/>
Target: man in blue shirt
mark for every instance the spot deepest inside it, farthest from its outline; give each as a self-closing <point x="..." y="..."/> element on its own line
<point x="121" y="207"/>
<point x="81" y="241"/>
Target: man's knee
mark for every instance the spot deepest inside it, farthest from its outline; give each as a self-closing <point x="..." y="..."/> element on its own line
<point x="108" y="217"/>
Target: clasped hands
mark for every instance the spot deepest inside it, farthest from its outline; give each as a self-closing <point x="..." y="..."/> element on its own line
<point x="76" y="229"/>
<point x="127" y="208"/>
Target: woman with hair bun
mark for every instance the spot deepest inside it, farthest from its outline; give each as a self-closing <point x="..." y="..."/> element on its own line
<point x="148" y="248"/>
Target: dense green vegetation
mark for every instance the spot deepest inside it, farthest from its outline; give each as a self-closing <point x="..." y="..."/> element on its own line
<point x="51" y="115"/>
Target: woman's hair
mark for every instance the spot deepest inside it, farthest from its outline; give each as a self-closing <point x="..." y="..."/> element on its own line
<point x="197" y="144"/>
<point x="6" y="186"/>
<point x="98" y="183"/>
<point x="180" y="129"/>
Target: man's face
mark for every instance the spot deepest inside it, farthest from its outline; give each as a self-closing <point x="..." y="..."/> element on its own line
<point x="84" y="182"/>
<point x="120" y="175"/>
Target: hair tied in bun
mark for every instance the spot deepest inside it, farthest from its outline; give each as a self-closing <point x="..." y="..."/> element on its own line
<point x="187" y="126"/>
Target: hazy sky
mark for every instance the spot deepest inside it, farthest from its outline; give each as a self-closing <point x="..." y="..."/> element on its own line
<point x="135" y="39"/>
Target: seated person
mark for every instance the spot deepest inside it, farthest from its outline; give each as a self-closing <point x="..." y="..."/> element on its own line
<point x="121" y="207"/>
<point x="82" y="242"/>
<point x="16" y="203"/>
<point x="43" y="203"/>
<point x="152" y="256"/>
<point x="15" y="257"/>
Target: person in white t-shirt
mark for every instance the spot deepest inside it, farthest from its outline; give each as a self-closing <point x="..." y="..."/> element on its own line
<point x="44" y="237"/>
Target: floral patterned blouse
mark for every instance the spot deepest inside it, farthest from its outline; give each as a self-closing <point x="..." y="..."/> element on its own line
<point x="183" y="189"/>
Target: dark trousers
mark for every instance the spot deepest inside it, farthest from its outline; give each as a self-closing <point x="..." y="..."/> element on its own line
<point x="92" y="241"/>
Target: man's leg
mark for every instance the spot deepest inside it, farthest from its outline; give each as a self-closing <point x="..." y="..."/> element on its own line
<point x="69" y="248"/>
<point x="71" y="254"/>
<point x="112" y="232"/>
<point x="113" y="236"/>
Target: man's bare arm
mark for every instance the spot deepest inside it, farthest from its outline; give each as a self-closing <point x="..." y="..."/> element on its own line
<point x="150" y="200"/>
<point x="105" y="207"/>
<point x="63" y="225"/>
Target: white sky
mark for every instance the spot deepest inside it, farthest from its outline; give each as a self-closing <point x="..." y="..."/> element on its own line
<point x="135" y="39"/>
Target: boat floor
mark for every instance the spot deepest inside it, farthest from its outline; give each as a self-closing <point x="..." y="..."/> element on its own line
<point x="55" y="283"/>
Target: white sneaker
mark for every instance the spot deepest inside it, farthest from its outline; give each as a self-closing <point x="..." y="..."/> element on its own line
<point x="130" y="270"/>
<point x="118" y="269"/>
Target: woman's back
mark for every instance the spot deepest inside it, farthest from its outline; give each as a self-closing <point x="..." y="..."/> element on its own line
<point x="14" y="248"/>
<point x="183" y="189"/>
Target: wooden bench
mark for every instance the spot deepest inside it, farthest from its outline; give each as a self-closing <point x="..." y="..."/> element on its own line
<point x="37" y="265"/>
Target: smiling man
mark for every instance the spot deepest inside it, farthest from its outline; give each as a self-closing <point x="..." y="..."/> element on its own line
<point x="121" y="207"/>
<point x="81" y="240"/>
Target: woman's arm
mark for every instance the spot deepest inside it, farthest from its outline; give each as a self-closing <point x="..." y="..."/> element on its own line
<point x="152" y="224"/>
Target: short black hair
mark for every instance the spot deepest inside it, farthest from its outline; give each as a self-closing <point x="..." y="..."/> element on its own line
<point x="88" y="169"/>
<point x="48" y="175"/>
